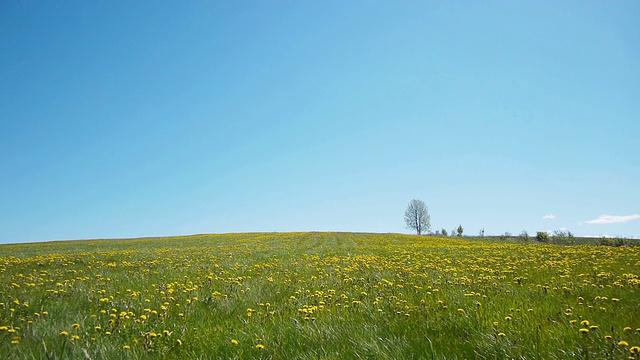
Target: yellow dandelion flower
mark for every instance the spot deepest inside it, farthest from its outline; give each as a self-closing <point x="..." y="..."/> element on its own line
<point x="574" y="321"/>
<point x="508" y="318"/>
<point x="584" y="323"/>
<point x="584" y="330"/>
<point x="126" y="347"/>
<point x="594" y="327"/>
<point x="623" y="343"/>
<point x="64" y="333"/>
<point x="608" y="337"/>
<point x="75" y="326"/>
<point x="502" y="334"/>
<point x="627" y="328"/>
<point x="179" y="342"/>
<point x="234" y="342"/>
<point x="259" y="346"/>
<point x="635" y="350"/>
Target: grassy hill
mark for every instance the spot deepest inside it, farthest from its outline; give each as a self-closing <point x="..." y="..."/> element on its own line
<point x="317" y="296"/>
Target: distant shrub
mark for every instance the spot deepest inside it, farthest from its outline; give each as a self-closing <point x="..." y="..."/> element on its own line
<point x="542" y="237"/>
<point x="561" y="237"/>
<point x="617" y="242"/>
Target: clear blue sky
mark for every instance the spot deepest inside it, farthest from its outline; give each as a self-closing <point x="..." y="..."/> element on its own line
<point x="129" y="119"/>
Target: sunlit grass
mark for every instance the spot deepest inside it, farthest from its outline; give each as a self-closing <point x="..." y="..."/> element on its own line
<point x="317" y="296"/>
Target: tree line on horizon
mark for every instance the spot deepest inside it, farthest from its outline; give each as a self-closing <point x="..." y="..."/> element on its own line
<point x="417" y="218"/>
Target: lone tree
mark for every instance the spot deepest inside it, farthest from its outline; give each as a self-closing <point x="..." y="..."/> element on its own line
<point x="417" y="216"/>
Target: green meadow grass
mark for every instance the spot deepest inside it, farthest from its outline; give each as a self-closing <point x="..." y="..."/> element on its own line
<point x="317" y="296"/>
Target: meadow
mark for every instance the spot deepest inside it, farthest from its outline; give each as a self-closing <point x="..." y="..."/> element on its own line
<point x="318" y="296"/>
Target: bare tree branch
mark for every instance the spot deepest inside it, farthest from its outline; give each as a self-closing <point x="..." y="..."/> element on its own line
<point x="417" y="217"/>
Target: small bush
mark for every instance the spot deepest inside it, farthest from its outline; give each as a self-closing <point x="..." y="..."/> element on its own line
<point x="542" y="237"/>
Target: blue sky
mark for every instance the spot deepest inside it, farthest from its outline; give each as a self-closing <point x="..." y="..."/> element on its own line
<point x="130" y="119"/>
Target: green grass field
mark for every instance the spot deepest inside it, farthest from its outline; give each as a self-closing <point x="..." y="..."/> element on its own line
<point x="318" y="296"/>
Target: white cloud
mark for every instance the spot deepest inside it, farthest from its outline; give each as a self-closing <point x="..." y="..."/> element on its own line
<point x="613" y="219"/>
<point x="549" y="217"/>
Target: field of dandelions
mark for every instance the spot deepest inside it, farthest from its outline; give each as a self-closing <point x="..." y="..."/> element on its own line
<point x="318" y="296"/>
